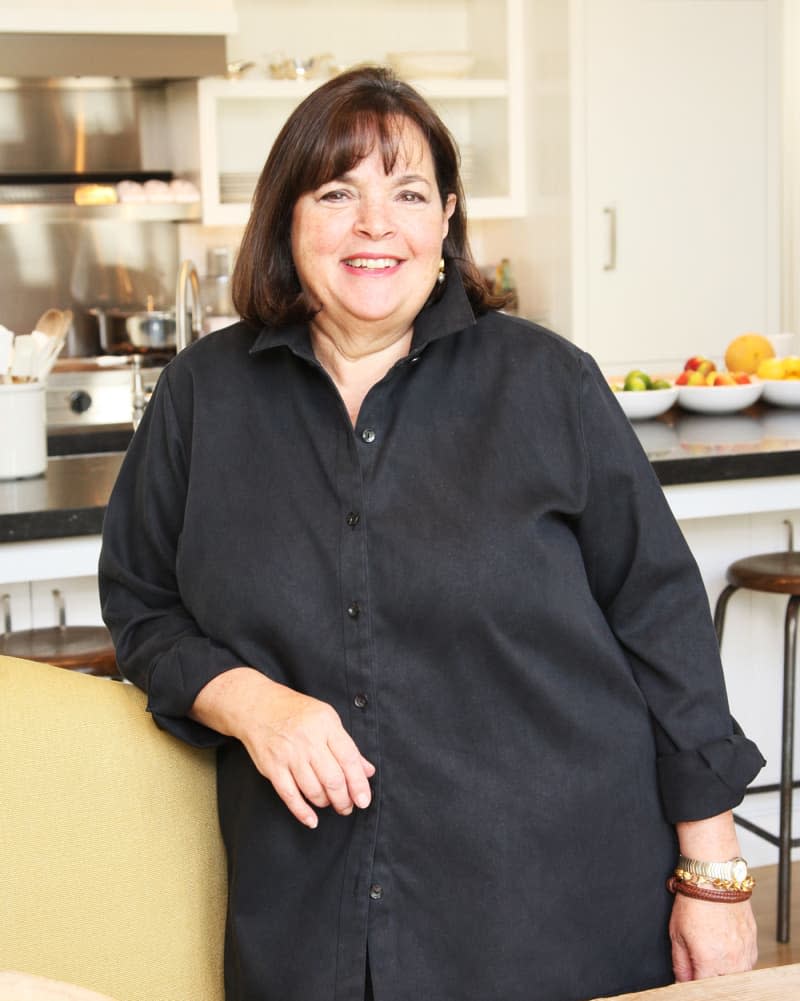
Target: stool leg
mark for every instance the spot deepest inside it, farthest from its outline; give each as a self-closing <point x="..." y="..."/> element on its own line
<point x="61" y="611"/>
<point x="787" y="769"/>
<point x="719" y="611"/>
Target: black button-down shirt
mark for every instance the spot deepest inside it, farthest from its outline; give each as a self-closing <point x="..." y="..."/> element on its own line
<point x="483" y="578"/>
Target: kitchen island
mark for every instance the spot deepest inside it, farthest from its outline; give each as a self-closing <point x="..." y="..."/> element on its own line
<point x="708" y="466"/>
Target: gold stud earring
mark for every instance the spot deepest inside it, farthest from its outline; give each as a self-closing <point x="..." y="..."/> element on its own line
<point x="440" y="276"/>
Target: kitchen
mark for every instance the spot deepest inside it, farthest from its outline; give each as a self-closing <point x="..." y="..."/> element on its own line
<point x="598" y="200"/>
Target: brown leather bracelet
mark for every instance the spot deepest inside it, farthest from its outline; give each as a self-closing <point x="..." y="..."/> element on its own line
<point x="688" y="889"/>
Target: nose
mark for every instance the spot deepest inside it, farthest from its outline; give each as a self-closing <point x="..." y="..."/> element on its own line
<point x="374" y="219"/>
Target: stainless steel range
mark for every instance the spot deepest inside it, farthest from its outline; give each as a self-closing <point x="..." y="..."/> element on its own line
<point x="88" y="392"/>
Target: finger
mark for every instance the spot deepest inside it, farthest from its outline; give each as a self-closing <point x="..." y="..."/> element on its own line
<point x="309" y="785"/>
<point x="351" y="763"/>
<point x="286" y="787"/>
<point x="332" y="779"/>
<point x="369" y="768"/>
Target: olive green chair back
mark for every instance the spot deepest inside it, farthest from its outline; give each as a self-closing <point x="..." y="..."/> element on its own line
<point x="112" y="870"/>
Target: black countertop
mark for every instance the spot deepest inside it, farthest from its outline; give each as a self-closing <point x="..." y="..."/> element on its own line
<point x="683" y="448"/>
<point x="702" y="448"/>
<point x="70" y="499"/>
<point x="97" y="438"/>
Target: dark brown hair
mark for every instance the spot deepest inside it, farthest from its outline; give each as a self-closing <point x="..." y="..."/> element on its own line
<point x="327" y="135"/>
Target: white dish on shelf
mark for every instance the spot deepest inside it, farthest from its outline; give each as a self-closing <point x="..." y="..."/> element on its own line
<point x="782" y="392"/>
<point x="416" y="65"/>
<point x="719" y="399"/>
<point x="643" y="404"/>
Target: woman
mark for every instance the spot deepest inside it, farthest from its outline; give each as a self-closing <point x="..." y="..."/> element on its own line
<point x="401" y="559"/>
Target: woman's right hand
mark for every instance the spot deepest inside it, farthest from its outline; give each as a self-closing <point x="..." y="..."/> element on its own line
<point x="295" y="741"/>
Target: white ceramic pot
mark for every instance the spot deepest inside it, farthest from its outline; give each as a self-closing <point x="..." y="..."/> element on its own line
<point x="23" y="430"/>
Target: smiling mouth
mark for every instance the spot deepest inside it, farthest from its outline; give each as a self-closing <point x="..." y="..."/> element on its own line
<point x="371" y="263"/>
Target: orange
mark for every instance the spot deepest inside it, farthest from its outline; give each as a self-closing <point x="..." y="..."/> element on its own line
<point x="746" y="352"/>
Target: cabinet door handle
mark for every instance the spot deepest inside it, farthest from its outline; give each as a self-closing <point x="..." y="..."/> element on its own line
<point x="611" y="257"/>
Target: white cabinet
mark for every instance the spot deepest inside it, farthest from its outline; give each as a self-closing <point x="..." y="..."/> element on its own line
<point x="145" y="17"/>
<point x="29" y="571"/>
<point x="675" y="176"/>
<point x="31" y="604"/>
<point x="223" y="129"/>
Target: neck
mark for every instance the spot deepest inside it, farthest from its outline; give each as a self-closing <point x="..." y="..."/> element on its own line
<point x="357" y="360"/>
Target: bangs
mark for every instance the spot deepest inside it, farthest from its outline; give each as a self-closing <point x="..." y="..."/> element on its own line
<point x="353" y="135"/>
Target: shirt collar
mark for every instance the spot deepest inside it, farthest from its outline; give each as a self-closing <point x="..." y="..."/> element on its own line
<point x="449" y="314"/>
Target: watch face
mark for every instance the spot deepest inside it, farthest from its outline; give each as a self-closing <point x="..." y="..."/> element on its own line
<point x="739" y="870"/>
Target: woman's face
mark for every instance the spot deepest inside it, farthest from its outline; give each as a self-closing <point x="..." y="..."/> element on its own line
<point x="367" y="245"/>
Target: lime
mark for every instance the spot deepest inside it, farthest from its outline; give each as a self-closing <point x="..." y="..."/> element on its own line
<point x="636" y="381"/>
<point x="661" y="384"/>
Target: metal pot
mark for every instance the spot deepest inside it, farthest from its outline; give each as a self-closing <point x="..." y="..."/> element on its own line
<point x="135" y="331"/>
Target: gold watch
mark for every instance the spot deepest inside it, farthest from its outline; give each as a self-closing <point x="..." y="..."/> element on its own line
<point x="735" y="870"/>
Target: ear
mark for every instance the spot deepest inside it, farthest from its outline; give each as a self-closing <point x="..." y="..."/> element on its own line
<point x="449" y="209"/>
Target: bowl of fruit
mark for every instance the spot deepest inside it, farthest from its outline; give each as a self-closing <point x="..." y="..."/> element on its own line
<point x="704" y="389"/>
<point x="643" y="397"/>
<point x="781" y="379"/>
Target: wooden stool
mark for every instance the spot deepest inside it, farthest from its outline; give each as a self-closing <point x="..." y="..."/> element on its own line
<point x="87" y="649"/>
<point x="776" y="573"/>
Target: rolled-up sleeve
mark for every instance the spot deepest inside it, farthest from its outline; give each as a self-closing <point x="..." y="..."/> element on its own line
<point x="649" y="587"/>
<point x="159" y="646"/>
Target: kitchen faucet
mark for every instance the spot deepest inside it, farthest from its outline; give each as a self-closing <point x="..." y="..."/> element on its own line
<point x="187" y="279"/>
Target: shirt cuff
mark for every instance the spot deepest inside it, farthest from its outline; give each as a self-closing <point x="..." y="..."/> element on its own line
<point x="176" y="680"/>
<point x="708" y="780"/>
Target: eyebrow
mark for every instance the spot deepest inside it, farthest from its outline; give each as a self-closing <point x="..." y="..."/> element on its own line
<point x="347" y="178"/>
<point x="411" y="178"/>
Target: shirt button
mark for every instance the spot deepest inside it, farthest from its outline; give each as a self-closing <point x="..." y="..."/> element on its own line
<point x="353" y="518"/>
<point x="360" y="701"/>
<point x="368" y="435"/>
<point x="353" y="610"/>
<point x="376" y="891"/>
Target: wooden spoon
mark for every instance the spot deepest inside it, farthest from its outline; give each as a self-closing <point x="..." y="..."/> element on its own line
<point x="50" y="322"/>
<point x="57" y="329"/>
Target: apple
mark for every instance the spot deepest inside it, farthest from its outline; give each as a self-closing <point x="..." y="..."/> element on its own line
<point x="699" y="363"/>
<point x="741" y="378"/>
<point x="690" y="377"/>
<point x="720" y="379"/>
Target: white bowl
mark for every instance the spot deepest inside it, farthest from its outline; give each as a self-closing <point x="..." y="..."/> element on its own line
<point x="642" y="404"/>
<point x="415" y="65"/>
<point x="782" y="392"/>
<point x="719" y="399"/>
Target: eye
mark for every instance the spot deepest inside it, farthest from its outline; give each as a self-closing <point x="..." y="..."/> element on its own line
<point x="334" y="196"/>
<point x="412" y="197"/>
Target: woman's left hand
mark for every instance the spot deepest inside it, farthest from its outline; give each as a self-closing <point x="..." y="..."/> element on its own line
<point x="710" y="938"/>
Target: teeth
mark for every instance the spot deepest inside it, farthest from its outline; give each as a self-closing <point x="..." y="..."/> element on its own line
<point x="371" y="263"/>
